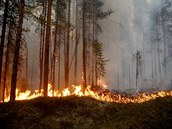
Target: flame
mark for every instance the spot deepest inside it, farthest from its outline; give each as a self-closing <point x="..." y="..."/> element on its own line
<point x="103" y="95"/>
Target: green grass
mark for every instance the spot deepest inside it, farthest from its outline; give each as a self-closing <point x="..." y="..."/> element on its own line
<point x="85" y="113"/>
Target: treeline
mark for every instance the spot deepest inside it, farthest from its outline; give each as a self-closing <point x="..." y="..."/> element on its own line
<point x="61" y="24"/>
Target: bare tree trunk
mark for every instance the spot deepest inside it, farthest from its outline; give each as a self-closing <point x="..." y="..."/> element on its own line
<point x="67" y="48"/>
<point x="93" y="51"/>
<point x="96" y="72"/>
<point x="27" y="74"/>
<point x="42" y="47"/>
<point x="159" y="55"/>
<point x="76" y="45"/>
<point x="129" y="75"/>
<point x="3" y="37"/>
<point x="55" y="48"/>
<point x="47" y="43"/>
<point x="137" y="71"/>
<point x="64" y="39"/>
<point x="51" y="63"/>
<point x="84" y="47"/>
<point x="165" y="50"/>
<point x="89" y="60"/>
<point x="93" y="67"/>
<point x="152" y="68"/>
<point x="159" y="62"/>
<point x="5" y="88"/>
<point x="51" y="66"/>
<point x="59" y="58"/>
<point x="155" y="63"/>
<point x="76" y="61"/>
<point x="17" y="50"/>
<point x="41" y="59"/>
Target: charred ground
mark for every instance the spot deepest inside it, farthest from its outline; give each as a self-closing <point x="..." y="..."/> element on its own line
<point x="85" y="113"/>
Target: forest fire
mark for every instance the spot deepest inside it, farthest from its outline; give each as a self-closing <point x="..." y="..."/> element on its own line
<point x="97" y="93"/>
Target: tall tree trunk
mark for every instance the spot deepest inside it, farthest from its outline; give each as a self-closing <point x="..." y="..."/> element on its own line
<point x="93" y="51"/>
<point x="42" y="47"/>
<point x="41" y="59"/>
<point x="59" y="58"/>
<point x="95" y="54"/>
<point x="155" y="63"/>
<point x="84" y="46"/>
<point x="67" y="48"/>
<point x="51" y="66"/>
<point x="27" y="74"/>
<point x="137" y="71"/>
<point x="165" y="50"/>
<point x="152" y="63"/>
<point x="55" y="48"/>
<point x="76" y="44"/>
<point x="17" y="50"/>
<point x="129" y="75"/>
<point x="64" y="40"/>
<point x="89" y="49"/>
<point x="159" y="62"/>
<point x="158" y="44"/>
<point x="5" y="88"/>
<point x="96" y="70"/>
<point x="47" y="43"/>
<point x="3" y="37"/>
<point x="92" y="83"/>
<point x="76" y="60"/>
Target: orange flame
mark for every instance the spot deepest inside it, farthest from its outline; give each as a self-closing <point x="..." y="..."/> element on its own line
<point x="77" y="91"/>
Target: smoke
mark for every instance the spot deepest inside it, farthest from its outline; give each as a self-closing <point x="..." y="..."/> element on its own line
<point x="129" y="29"/>
<point x="126" y="31"/>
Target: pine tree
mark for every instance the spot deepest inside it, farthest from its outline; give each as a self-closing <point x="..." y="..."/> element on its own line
<point x="17" y="50"/>
<point x="3" y="37"/>
<point x="47" y="43"/>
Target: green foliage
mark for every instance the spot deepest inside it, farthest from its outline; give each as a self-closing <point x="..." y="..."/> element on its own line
<point x="94" y="8"/>
<point x="33" y="9"/>
<point x="100" y="61"/>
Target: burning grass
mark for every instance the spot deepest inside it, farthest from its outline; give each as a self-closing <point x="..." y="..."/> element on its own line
<point x="74" y="112"/>
<point x="94" y="92"/>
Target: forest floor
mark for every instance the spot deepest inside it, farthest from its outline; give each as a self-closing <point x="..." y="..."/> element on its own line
<point x="85" y="113"/>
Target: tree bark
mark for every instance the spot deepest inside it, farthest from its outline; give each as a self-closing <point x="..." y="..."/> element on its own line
<point x="41" y="59"/>
<point x="5" y="88"/>
<point x="17" y="50"/>
<point x="93" y="52"/>
<point x="27" y="67"/>
<point x="47" y="43"/>
<point x="84" y="47"/>
<point x="42" y="47"/>
<point x="67" y="48"/>
<point x="3" y="37"/>
<point x="76" y="45"/>
<point x="64" y="40"/>
<point x="59" y="58"/>
<point x="55" y="49"/>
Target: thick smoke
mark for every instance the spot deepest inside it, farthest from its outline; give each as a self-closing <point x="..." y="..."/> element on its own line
<point x="129" y="29"/>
